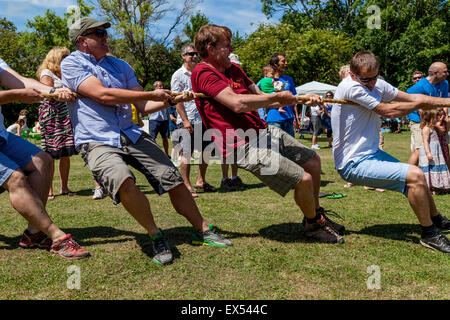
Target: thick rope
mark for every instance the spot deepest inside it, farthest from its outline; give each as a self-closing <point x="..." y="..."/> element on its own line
<point x="300" y="99"/>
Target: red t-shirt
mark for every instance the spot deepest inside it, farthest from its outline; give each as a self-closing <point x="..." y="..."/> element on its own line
<point x="215" y="115"/>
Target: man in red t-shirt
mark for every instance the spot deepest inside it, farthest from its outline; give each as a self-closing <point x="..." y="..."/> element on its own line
<point x="272" y="155"/>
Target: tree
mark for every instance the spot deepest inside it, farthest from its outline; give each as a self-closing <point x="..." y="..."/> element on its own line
<point x="312" y="55"/>
<point x="135" y="21"/>
<point x="196" y="22"/>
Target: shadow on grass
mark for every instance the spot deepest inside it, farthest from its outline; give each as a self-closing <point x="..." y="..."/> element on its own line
<point x="401" y="231"/>
<point x="249" y="187"/>
<point x="91" y="236"/>
<point x="324" y="183"/>
<point x="294" y="232"/>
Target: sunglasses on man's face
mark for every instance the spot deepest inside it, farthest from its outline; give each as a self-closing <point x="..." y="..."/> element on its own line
<point x="98" y="32"/>
<point x="193" y="53"/>
<point x="417" y="78"/>
<point x="366" y="80"/>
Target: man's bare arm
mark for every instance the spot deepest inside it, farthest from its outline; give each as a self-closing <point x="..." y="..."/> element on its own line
<point x="94" y="89"/>
<point x="406" y="103"/>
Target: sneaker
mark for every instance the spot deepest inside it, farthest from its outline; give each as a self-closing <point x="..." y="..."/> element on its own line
<point x="68" y="248"/>
<point x="438" y="242"/>
<point x="98" y="194"/>
<point x="320" y="231"/>
<point x="37" y="240"/>
<point x="443" y="223"/>
<point x="339" y="228"/>
<point x="226" y="186"/>
<point x="315" y="146"/>
<point x="210" y="238"/>
<point x="238" y="184"/>
<point x="163" y="255"/>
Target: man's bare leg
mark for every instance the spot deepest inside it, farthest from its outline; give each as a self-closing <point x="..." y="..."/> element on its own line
<point x="313" y="167"/>
<point x="136" y="203"/>
<point x="28" y="203"/>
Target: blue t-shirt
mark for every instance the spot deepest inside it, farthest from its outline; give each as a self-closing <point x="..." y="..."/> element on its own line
<point x="273" y="115"/>
<point x="425" y="87"/>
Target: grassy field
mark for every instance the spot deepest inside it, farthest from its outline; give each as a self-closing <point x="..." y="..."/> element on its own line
<point x="270" y="258"/>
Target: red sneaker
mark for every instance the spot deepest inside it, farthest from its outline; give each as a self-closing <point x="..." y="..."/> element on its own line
<point x="37" y="240"/>
<point x="68" y="248"/>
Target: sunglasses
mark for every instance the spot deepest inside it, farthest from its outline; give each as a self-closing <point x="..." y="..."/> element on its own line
<point x="366" y="80"/>
<point x="98" y="32"/>
<point x="417" y="78"/>
<point x="192" y="53"/>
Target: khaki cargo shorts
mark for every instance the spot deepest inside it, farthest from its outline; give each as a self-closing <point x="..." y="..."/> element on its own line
<point x="109" y="165"/>
<point x="416" y="135"/>
<point x="275" y="157"/>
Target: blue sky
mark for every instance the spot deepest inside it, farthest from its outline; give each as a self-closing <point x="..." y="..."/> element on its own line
<point x="240" y="15"/>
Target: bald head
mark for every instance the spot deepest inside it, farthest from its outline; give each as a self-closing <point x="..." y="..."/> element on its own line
<point x="437" y="72"/>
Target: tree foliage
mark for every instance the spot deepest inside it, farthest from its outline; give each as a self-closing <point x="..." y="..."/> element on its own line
<point x="135" y="21"/>
<point x="195" y="23"/>
<point x="410" y="34"/>
<point x="312" y="55"/>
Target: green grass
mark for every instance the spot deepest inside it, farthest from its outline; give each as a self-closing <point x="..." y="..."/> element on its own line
<point x="270" y="258"/>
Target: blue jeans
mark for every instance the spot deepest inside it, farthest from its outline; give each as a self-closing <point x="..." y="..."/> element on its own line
<point x="286" y="125"/>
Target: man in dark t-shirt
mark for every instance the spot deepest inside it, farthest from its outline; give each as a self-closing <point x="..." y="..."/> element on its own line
<point x="272" y="155"/>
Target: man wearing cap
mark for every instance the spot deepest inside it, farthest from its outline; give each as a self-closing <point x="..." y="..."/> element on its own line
<point x="109" y="141"/>
<point x="25" y="171"/>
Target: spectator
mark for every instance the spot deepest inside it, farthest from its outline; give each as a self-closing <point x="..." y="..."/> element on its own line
<point x="57" y="133"/>
<point x="283" y="120"/>
<point x="431" y="158"/>
<point x="190" y="123"/>
<point x="159" y="123"/>
<point x="433" y="85"/>
<point x="16" y="127"/>
<point x="326" y="118"/>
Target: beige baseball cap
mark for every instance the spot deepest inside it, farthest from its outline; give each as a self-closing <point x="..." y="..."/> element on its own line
<point x="80" y="26"/>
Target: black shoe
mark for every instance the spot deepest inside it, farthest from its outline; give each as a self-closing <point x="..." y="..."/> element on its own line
<point x="443" y="223"/>
<point x="227" y="186"/>
<point x="238" y="184"/>
<point x="340" y="229"/>
<point x="320" y="231"/>
<point x="163" y="255"/>
<point x="438" y="242"/>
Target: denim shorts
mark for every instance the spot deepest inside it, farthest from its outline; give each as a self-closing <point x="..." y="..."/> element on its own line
<point x="15" y="153"/>
<point x="378" y="170"/>
<point x="161" y="127"/>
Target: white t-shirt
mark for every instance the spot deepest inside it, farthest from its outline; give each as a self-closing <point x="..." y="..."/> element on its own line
<point x="314" y="111"/>
<point x="57" y="83"/>
<point x="356" y="128"/>
<point x="13" y="128"/>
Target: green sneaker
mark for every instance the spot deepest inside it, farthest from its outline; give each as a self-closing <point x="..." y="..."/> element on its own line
<point x="163" y="255"/>
<point x="210" y="238"/>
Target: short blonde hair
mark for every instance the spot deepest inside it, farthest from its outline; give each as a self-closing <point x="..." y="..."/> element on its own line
<point x="52" y="61"/>
<point x="343" y="71"/>
<point x="210" y="34"/>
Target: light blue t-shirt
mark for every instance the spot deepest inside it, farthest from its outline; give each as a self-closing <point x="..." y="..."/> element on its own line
<point x="274" y="115"/>
<point x="425" y="87"/>
<point x="3" y="132"/>
<point x="93" y="121"/>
